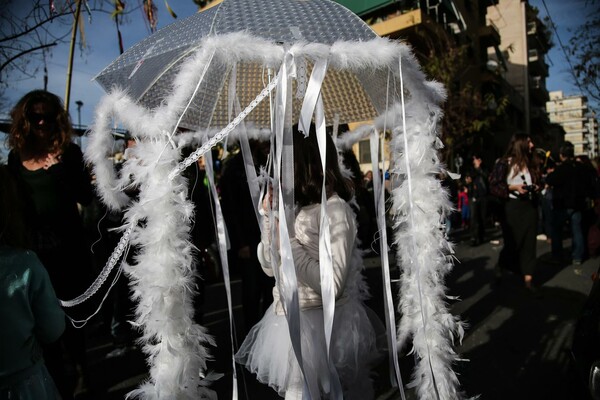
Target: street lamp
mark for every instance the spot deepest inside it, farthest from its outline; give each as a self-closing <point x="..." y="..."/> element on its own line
<point x="79" y="105"/>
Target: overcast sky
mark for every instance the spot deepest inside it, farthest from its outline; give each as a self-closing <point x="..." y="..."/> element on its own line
<point x="101" y="38"/>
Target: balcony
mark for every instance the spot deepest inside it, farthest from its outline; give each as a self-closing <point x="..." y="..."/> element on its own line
<point x="489" y="35"/>
<point x="395" y="18"/>
<point x="396" y="23"/>
<point x="538" y="35"/>
<point x="415" y="26"/>
<point x="537" y="90"/>
<point x="537" y="65"/>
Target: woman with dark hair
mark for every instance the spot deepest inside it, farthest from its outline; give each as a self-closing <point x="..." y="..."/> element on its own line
<point x="520" y="209"/>
<point x="29" y="310"/>
<point x="52" y="180"/>
<point x="40" y="129"/>
<point x="267" y="350"/>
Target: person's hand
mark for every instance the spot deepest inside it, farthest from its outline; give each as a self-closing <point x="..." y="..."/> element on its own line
<point x="52" y="159"/>
<point x="519" y="188"/>
<point x="267" y="203"/>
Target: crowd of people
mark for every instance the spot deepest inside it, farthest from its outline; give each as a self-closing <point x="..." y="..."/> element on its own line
<point x="52" y="219"/>
<point x="530" y="196"/>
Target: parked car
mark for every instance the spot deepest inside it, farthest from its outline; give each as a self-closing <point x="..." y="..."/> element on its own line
<point x="585" y="350"/>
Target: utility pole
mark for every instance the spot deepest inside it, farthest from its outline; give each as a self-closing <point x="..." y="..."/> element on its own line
<point x="71" y="51"/>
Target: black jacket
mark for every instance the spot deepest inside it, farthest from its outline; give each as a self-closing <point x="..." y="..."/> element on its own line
<point x="571" y="184"/>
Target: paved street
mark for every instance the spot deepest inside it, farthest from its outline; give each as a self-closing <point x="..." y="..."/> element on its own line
<point x="517" y="345"/>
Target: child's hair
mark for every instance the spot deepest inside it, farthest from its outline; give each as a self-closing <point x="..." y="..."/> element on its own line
<point x="308" y="176"/>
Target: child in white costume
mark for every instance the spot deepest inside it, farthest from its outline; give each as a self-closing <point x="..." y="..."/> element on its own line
<point x="267" y="350"/>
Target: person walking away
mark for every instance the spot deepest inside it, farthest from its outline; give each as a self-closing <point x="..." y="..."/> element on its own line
<point x="29" y="310"/>
<point x="479" y="201"/>
<point x="571" y="184"/>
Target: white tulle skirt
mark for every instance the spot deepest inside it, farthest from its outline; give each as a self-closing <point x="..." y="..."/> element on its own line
<point x="355" y="348"/>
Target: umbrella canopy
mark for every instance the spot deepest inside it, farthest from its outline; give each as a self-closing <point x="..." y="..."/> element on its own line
<point x="212" y="73"/>
<point x="148" y="69"/>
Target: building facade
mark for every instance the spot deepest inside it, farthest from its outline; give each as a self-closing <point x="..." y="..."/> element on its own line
<point x="525" y="41"/>
<point x="506" y="44"/>
<point x="435" y="28"/>
<point x="579" y="123"/>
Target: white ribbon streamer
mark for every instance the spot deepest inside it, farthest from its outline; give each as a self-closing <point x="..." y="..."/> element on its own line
<point x="390" y="321"/>
<point x="232" y="96"/>
<point x="313" y="93"/>
<point x="288" y="284"/>
<point x="250" y="169"/>
<point x="313" y="103"/>
<point x="223" y="245"/>
<point x="325" y="256"/>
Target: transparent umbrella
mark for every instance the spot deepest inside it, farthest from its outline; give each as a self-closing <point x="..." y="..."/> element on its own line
<point x="147" y="70"/>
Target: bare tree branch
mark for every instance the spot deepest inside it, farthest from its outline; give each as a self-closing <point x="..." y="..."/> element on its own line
<point x="32" y="28"/>
<point x="22" y="53"/>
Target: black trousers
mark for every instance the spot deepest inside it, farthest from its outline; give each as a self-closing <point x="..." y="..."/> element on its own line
<point x="519" y="231"/>
<point x="478" y="218"/>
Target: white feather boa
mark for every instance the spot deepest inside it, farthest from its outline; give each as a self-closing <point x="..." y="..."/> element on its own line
<point x="162" y="277"/>
<point x="424" y="253"/>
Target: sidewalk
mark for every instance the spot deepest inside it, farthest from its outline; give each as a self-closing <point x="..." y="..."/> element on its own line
<point x="517" y="345"/>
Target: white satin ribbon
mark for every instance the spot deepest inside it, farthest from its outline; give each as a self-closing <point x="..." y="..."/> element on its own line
<point x="326" y="259"/>
<point x="249" y="167"/>
<point x="313" y="103"/>
<point x="313" y="93"/>
<point x="288" y="284"/>
<point x="231" y="98"/>
<point x="390" y="321"/>
<point x="223" y="245"/>
<point x="231" y="92"/>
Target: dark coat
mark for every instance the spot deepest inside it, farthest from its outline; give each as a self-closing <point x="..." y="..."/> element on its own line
<point x="56" y="229"/>
<point x="571" y="184"/>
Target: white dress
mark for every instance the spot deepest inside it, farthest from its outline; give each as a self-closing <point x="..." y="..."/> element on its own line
<point x="357" y="332"/>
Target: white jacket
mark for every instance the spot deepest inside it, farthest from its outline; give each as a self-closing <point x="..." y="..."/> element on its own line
<point x="305" y="250"/>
